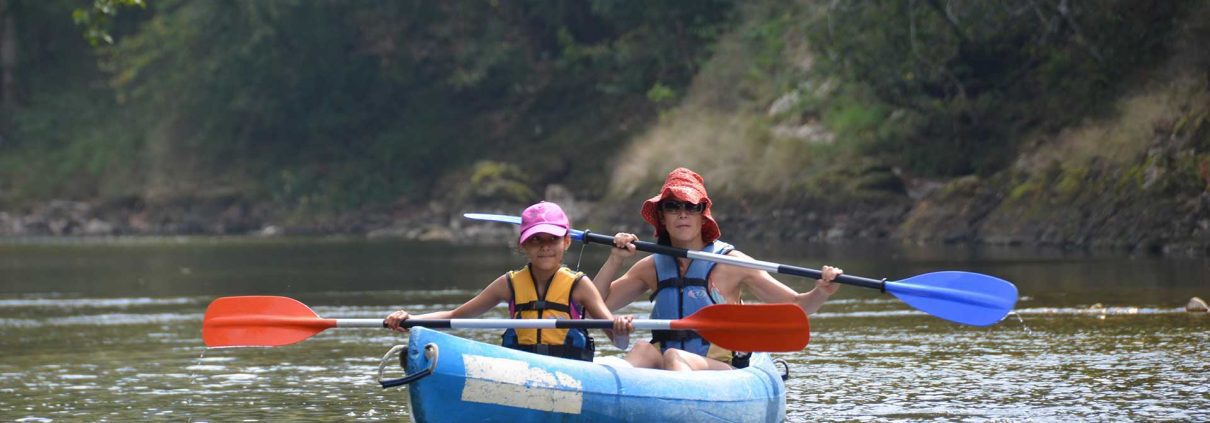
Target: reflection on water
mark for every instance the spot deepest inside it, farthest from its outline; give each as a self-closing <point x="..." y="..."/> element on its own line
<point x="111" y="332"/>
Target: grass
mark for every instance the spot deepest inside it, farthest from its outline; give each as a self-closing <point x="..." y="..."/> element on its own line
<point x="721" y="129"/>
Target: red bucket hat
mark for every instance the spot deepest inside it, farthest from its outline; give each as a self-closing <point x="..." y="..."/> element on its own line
<point x="684" y="185"/>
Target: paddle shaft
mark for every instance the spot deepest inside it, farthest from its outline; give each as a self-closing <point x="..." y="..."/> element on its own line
<point x="898" y="288"/>
<point x="588" y="236"/>
<point x="961" y="297"/>
<point x="650" y="324"/>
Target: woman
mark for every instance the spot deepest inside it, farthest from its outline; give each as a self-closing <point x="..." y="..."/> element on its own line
<point x="680" y="215"/>
<point x="543" y="289"/>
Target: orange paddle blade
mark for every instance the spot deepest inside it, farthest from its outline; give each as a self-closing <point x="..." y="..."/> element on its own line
<point x="751" y="327"/>
<point x="259" y="321"/>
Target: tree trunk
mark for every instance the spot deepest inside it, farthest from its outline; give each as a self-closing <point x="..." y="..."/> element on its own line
<point x="8" y="55"/>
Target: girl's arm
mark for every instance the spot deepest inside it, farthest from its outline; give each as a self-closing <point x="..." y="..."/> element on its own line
<point x="584" y="292"/>
<point x="495" y="293"/>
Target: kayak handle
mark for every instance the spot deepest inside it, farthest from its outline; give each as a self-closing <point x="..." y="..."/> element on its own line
<point x="430" y="352"/>
<point x="785" y="375"/>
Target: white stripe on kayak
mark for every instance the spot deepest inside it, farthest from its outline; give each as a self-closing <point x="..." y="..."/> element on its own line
<point x="514" y="383"/>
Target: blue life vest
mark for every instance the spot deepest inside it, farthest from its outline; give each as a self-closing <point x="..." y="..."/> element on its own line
<point x="678" y="296"/>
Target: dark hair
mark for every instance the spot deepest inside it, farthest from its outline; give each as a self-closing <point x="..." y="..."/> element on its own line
<point x="664" y="239"/>
<point x="661" y="233"/>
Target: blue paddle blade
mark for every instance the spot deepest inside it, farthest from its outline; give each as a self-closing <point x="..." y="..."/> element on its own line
<point x="960" y="297"/>
<point x="577" y="235"/>
<point x="516" y="220"/>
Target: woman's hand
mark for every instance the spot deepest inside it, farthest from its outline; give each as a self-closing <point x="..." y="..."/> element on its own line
<point x="825" y="283"/>
<point x="393" y="321"/>
<point x="624" y="245"/>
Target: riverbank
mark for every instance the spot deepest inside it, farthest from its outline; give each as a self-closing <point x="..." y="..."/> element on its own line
<point x="961" y="212"/>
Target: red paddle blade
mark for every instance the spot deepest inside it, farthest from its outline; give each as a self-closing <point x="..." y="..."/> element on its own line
<point x="751" y="327"/>
<point x="259" y="321"/>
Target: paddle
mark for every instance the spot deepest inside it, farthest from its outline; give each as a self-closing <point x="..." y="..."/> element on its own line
<point x="267" y="321"/>
<point x="961" y="297"/>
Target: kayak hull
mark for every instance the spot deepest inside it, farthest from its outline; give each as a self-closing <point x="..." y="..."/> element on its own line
<point x="475" y="381"/>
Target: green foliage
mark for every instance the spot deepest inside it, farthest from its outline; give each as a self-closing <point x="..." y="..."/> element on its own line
<point x="856" y="119"/>
<point x="1071" y="182"/>
<point x="64" y="136"/>
<point x="769" y="35"/>
<point x="1025" y="191"/>
<point x="498" y="182"/>
<point x="628" y="46"/>
<point x="1190" y="174"/>
<point x="661" y="94"/>
<point x="329" y="105"/>
<point x="95" y="21"/>
<point x="971" y="75"/>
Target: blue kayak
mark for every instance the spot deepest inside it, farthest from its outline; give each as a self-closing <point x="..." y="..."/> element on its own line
<point x="452" y="379"/>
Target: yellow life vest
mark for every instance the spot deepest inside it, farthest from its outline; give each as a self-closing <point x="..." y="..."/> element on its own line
<point x="557" y="304"/>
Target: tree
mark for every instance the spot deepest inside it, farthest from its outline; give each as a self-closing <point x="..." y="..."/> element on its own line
<point x="966" y="77"/>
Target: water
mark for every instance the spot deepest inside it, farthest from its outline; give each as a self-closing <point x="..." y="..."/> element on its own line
<point x="111" y="331"/>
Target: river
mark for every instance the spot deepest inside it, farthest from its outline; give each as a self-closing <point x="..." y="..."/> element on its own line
<point x="110" y="330"/>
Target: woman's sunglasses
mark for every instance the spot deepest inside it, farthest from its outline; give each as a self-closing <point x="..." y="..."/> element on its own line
<point x="671" y="206"/>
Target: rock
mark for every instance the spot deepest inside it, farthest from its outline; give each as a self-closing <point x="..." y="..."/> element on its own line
<point x="436" y="233"/>
<point x="98" y="227"/>
<point x="58" y="226"/>
<point x="393" y="231"/>
<point x="835" y="234"/>
<point x="11" y="225"/>
<point x="1196" y="305"/>
<point x="562" y="196"/>
<point x="269" y="231"/>
<point x="784" y="103"/>
<point x="811" y="133"/>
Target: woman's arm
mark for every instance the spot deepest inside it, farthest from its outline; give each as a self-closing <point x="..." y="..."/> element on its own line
<point x="770" y="290"/>
<point x="623" y="248"/>
<point x="628" y="288"/>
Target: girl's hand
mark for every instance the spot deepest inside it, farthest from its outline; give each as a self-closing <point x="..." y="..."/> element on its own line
<point x="624" y="245"/>
<point x="623" y="326"/>
<point x="826" y="282"/>
<point x="394" y="319"/>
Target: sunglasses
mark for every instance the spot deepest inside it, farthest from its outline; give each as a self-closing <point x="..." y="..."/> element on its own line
<point x="672" y="206"/>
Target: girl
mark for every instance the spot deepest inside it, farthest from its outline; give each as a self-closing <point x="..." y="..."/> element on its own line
<point x="543" y="289"/>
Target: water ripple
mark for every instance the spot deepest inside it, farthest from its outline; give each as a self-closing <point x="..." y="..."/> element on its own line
<point x="77" y="303"/>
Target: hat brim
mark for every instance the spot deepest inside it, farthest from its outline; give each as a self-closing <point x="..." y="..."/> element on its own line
<point x="543" y="228"/>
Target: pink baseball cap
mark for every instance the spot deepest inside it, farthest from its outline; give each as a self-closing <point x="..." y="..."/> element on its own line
<point x="544" y="217"/>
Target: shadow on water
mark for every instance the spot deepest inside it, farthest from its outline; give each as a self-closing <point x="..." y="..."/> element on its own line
<point x="112" y="332"/>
